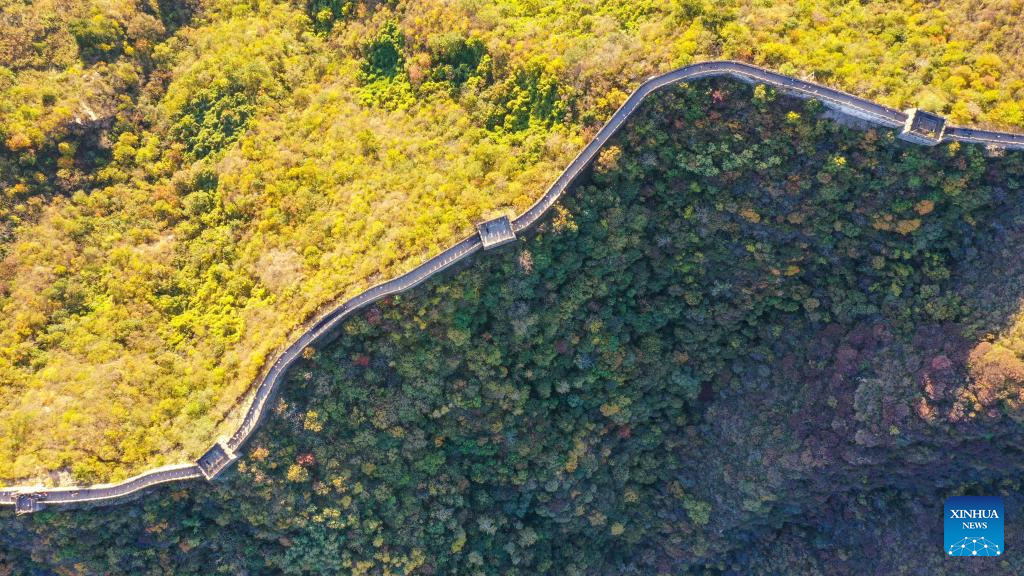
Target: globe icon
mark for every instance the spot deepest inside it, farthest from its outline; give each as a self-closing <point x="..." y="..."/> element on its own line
<point x="974" y="546"/>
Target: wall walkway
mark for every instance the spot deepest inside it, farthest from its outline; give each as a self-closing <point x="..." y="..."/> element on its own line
<point x="32" y="498"/>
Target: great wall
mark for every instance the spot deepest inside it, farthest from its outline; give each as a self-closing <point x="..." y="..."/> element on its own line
<point x="914" y="126"/>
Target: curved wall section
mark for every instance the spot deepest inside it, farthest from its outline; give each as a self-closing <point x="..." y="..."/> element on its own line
<point x="224" y="452"/>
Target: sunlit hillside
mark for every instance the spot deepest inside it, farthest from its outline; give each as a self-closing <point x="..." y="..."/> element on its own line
<point x="182" y="185"/>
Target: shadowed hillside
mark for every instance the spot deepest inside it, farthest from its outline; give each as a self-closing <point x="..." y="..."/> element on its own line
<point x="752" y="340"/>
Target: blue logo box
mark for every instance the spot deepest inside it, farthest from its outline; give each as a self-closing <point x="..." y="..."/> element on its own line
<point x="974" y="526"/>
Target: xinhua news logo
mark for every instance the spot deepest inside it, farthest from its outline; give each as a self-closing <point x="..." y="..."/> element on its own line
<point x="974" y="526"/>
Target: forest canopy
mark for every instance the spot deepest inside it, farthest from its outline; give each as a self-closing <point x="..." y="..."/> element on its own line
<point x="184" y="184"/>
<point x="752" y="341"/>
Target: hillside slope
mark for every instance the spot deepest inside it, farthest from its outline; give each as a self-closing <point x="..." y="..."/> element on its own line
<point x="184" y="184"/>
<point x="752" y="341"/>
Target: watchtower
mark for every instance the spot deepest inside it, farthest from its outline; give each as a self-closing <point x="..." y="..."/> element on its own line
<point x="923" y="127"/>
<point x="496" y="232"/>
<point x="216" y="459"/>
<point x="27" y="503"/>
